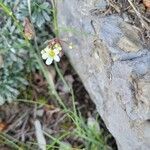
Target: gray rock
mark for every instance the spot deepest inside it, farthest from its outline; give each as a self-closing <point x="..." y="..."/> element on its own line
<point x="114" y="67"/>
<point x="101" y="5"/>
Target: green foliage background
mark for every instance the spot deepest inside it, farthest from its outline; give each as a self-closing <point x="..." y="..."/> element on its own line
<point x="18" y="58"/>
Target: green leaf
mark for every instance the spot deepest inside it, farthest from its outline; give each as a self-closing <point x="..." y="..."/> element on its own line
<point x="45" y="5"/>
<point x="40" y="20"/>
<point x="46" y="16"/>
<point x="34" y="16"/>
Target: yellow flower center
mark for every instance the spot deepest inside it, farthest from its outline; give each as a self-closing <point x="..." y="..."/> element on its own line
<point x="51" y="53"/>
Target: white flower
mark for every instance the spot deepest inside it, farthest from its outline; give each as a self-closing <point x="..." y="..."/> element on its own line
<point x="49" y="54"/>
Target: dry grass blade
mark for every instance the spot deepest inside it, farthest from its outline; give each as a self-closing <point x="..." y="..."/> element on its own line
<point x="39" y="135"/>
<point x="144" y="23"/>
<point x="114" y="6"/>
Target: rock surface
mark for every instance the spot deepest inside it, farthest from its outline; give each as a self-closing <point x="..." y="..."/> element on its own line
<point x="114" y="67"/>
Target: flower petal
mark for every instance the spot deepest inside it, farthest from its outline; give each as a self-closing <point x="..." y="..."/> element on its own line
<point x="56" y="58"/>
<point x="47" y="49"/>
<point x="56" y="51"/>
<point x="56" y="45"/>
<point x="44" y="55"/>
<point x="49" y="61"/>
<point x="42" y="51"/>
<point x="59" y="48"/>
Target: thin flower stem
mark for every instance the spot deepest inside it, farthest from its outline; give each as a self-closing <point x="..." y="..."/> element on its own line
<point x="55" y="21"/>
<point x="52" y="89"/>
<point x="61" y="76"/>
<point x="56" y="29"/>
